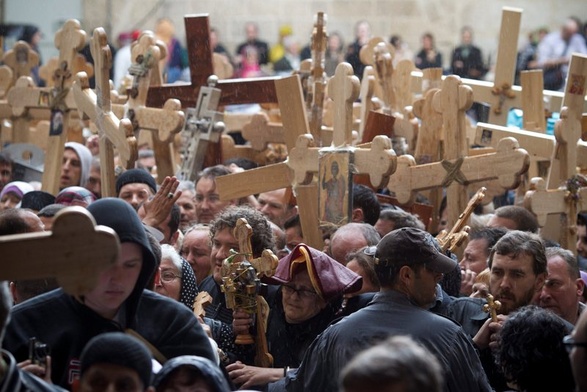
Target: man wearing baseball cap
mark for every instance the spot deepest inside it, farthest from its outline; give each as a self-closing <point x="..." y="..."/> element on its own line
<point x="408" y="267"/>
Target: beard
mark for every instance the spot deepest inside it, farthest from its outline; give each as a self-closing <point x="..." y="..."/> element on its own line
<point x="510" y="302"/>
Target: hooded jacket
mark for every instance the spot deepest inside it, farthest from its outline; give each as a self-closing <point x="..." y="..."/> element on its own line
<point x="85" y="158"/>
<point x="208" y="370"/>
<point x="65" y="324"/>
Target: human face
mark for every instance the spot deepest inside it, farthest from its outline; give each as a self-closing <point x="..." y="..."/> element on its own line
<point x="180" y="380"/>
<point x="94" y="183"/>
<point x="71" y="169"/>
<point x="368" y="286"/>
<point x="5" y="174"/>
<point x="222" y="243"/>
<point x="300" y="307"/>
<point x="273" y="206"/>
<point x="187" y="209"/>
<point x="9" y="200"/>
<point x="135" y="194"/>
<point x="117" y="282"/>
<point x="582" y="240"/>
<point x="423" y="286"/>
<point x="105" y="377"/>
<point x="208" y="202"/>
<point x="196" y="250"/>
<point x="578" y="355"/>
<point x="560" y="293"/>
<point x="475" y="256"/>
<point x="343" y="244"/>
<point x="293" y="237"/>
<point x="513" y="282"/>
<point x="171" y="288"/>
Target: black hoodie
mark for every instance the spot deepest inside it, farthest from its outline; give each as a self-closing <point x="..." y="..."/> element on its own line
<point x="65" y="324"/>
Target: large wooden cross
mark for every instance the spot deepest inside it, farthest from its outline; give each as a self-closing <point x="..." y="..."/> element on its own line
<point x="457" y="170"/>
<point x="98" y="107"/>
<point x="163" y="123"/>
<point x="74" y="252"/>
<point x="234" y="91"/>
<point x="303" y="161"/>
<point x="570" y="197"/>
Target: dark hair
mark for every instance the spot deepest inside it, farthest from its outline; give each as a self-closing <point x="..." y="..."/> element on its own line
<point x="490" y="234"/>
<point x="30" y="288"/>
<point x="50" y="211"/>
<point x="5" y="159"/>
<point x="367" y="263"/>
<point x="524" y="219"/>
<point x="262" y="237"/>
<point x="245" y="163"/>
<point x="531" y="352"/>
<point x="365" y="199"/>
<point x="401" y="219"/>
<point x="212" y="172"/>
<point x="175" y="219"/>
<point x="12" y="221"/>
<point x="37" y="200"/>
<point x="568" y="257"/>
<point x="517" y="242"/>
<point x="399" y="361"/>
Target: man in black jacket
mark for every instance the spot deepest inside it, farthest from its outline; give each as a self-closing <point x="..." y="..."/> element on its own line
<point x="119" y="302"/>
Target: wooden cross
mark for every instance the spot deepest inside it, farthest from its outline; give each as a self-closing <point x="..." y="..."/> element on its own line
<point x="303" y="161"/>
<point x="234" y="91"/>
<point x="163" y="123"/>
<point x="240" y="278"/>
<point x="5" y="80"/>
<point x="203" y="126"/>
<point x="317" y="79"/>
<point x="97" y="106"/>
<point x="69" y="39"/>
<point x="75" y="252"/>
<point x="21" y="59"/>
<point x="532" y="102"/>
<point x="568" y="199"/>
<point x="261" y="131"/>
<point x="457" y="170"/>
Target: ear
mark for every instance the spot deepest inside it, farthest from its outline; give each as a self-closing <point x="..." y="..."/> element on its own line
<point x="580" y="287"/>
<point x="405" y="275"/>
<point x="540" y="279"/>
<point x="357" y="215"/>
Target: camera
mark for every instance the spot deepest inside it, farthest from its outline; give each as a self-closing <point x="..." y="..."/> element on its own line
<point x="38" y="352"/>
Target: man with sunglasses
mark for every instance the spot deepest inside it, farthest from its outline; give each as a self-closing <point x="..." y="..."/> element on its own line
<point x="408" y="267"/>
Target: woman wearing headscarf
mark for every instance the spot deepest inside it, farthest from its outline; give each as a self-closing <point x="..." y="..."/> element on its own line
<point x="12" y="194"/>
<point x="311" y="292"/>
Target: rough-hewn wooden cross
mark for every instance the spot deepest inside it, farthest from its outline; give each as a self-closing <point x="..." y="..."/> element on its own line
<point x="98" y="107"/>
<point x="457" y="170"/>
<point x="234" y="91"/>
<point x="570" y="197"/>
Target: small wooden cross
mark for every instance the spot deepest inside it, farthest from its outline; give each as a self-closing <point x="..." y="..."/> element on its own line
<point x="203" y="126"/>
<point x="97" y="106"/>
<point x="317" y="78"/>
<point x="74" y="252"/>
<point x="492" y="307"/>
<point x="21" y="59"/>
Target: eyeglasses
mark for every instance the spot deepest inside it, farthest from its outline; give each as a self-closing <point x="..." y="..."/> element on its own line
<point x="570" y="343"/>
<point x="302" y="293"/>
<point x="168" y="276"/>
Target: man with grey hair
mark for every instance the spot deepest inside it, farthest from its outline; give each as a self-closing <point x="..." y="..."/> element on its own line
<point x="391" y="219"/>
<point x="187" y="204"/>
<point x="12" y="378"/>
<point x="350" y="238"/>
<point x="563" y="288"/>
<point x="408" y="266"/>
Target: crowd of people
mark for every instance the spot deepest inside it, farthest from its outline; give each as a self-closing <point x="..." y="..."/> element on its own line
<point x="379" y="305"/>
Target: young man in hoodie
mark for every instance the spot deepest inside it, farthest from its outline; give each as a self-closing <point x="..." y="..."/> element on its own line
<point x="75" y="166"/>
<point x="118" y="303"/>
